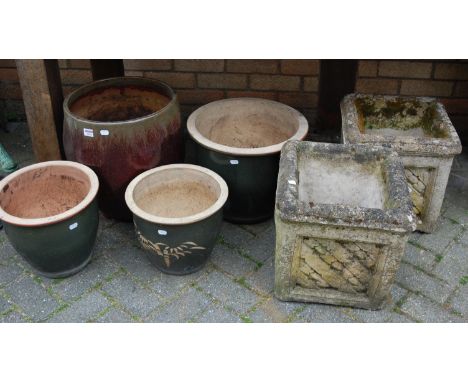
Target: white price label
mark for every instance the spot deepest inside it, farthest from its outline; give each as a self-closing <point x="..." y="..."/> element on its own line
<point x="71" y="227"/>
<point x="162" y="232"/>
<point x="88" y="133"/>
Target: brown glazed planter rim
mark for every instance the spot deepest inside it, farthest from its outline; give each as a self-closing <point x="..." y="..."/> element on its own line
<point x="266" y="150"/>
<point x="215" y="207"/>
<point x="38" y="222"/>
<point x="84" y="89"/>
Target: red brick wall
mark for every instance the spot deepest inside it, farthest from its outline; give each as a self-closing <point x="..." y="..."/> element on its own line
<point x="293" y="82"/>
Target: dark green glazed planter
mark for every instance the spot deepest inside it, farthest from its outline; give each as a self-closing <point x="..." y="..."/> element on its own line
<point x="251" y="181"/>
<point x="241" y="139"/>
<point x="121" y="127"/>
<point x="173" y="223"/>
<point x="56" y="245"/>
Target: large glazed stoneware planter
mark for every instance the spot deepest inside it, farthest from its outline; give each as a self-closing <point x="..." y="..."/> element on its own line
<point x="121" y="127"/>
<point x="177" y="212"/>
<point x="240" y="139"/>
<point x="343" y="216"/>
<point x="50" y="215"/>
<point x="420" y="130"/>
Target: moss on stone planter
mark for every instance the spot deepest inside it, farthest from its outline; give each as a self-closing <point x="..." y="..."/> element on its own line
<point x="420" y="131"/>
<point x="381" y="116"/>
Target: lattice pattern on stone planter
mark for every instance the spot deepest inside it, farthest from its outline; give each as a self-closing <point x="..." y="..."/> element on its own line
<point x="340" y="265"/>
<point x="418" y="181"/>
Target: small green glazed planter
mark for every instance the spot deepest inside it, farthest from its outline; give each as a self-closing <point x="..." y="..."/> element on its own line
<point x="177" y="212"/>
<point x="50" y="215"/>
<point x="241" y="139"/>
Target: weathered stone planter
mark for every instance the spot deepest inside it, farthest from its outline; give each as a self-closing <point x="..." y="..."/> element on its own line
<point x="121" y="127"/>
<point x="49" y="211"/>
<point x="420" y="130"/>
<point x="240" y="139"/>
<point x="177" y="211"/>
<point x="343" y="215"/>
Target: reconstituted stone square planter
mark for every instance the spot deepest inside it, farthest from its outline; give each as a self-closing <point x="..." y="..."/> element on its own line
<point x="420" y="130"/>
<point x="343" y="215"/>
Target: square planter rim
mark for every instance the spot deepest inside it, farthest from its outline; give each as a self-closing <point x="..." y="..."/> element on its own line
<point x="406" y="145"/>
<point x="290" y="208"/>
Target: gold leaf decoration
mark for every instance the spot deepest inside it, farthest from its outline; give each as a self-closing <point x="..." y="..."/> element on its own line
<point x="162" y="249"/>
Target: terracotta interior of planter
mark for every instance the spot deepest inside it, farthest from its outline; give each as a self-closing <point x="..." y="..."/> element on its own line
<point x="341" y="179"/>
<point x="176" y="193"/>
<point x="118" y="103"/>
<point x="44" y="192"/>
<point x="246" y="123"/>
<point x="399" y="117"/>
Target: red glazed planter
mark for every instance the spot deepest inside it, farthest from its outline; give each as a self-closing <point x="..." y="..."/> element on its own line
<point x="121" y="127"/>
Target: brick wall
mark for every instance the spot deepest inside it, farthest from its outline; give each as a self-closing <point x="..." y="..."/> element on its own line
<point x="293" y="82"/>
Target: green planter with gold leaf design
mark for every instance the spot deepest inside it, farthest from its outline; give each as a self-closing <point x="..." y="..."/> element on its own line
<point x="177" y="212"/>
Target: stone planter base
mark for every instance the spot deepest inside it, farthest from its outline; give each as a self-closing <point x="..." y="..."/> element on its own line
<point x="343" y="215"/>
<point x="420" y="130"/>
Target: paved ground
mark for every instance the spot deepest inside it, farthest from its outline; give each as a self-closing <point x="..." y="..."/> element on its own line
<point x="120" y="285"/>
